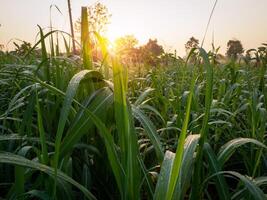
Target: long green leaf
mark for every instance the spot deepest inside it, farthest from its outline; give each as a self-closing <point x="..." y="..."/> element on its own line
<point x="9" y="158"/>
<point x="164" y="176"/>
<point x="196" y="192"/>
<point x="41" y="132"/>
<point x="151" y="131"/>
<point x="174" y="176"/>
<point x="98" y="104"/>
<point x="110" y="145"/>
<point x="227" y="150"/>
<point x="127" y="135"/>
<point x="215" y="167"/>
<point x="187" y="167"/>
<point x="250" y="185"/>
<point x="70" y="93"/>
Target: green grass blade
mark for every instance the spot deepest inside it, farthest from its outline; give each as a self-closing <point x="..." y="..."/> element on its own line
<point x="151" y="131"/>
<point x="103" y="43"/>
<point x="187" y="167"/>
<point x="9" y="158"/>
<point x="143" y="96"/>
<point x="85" y="40"/>
<point x="127" y="135"/>
<point x="104" y="133"/>
<point x="39" y="41"/>
<point x="67" y="47"/>
<point x="152" y="109"/>
<point x="44" y="54"/>
<point x="66" y="107"/>
<point x="114" y="160"/>
<point x="249" y="183"/>
<point x="98" y="104"/>
<point x="185" y="172"/>
<point x="196" y="192"/>
<point x="227" y="150"/>
<point x="215" y="167"/>
<point x="164" y="176"/>
<point x="180" y="147"/>
<point x="41" y="132"/>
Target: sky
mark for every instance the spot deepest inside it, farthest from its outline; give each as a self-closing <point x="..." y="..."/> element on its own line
<point x="172" y="22"/>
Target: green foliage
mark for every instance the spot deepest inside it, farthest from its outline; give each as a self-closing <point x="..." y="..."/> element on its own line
<point x="195" y="128"/>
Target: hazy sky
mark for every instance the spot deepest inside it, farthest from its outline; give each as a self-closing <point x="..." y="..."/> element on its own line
<point x="172" y="22"/>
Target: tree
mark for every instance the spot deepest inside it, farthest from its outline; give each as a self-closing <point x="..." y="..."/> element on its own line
<point x="234" y="49"/>
<point x="151" y="51"/>
<point x="191" y="43"/>
<point x="125" y="48"/>
<point x="125" y="43"/>
<point x="98" y="18"/>
<point x="153" y="47"/>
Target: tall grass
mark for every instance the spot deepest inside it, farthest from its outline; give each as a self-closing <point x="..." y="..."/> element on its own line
<point x="70" y="130"/>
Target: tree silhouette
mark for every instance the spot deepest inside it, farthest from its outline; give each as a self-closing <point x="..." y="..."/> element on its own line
<point x="125" y="43"/>
<point x="125" y="48"/>
<point x="153" y="47"/>
<point x="191" y="43"/>
<point x="151" y="51"/>
<point x="234" y="48"/>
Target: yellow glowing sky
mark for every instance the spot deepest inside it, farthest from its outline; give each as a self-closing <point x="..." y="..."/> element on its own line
<point x="172" y="22"/>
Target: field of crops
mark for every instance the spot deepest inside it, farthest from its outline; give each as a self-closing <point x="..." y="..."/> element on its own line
<point x="73" y="127"/>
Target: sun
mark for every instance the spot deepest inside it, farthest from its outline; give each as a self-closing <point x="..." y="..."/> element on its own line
<point x="113" y="33"/>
